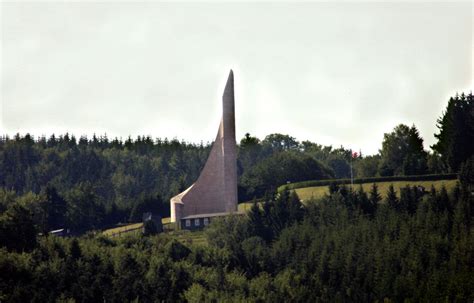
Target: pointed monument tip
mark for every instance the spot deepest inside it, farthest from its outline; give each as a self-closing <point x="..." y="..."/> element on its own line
<point x="229" y="86"/>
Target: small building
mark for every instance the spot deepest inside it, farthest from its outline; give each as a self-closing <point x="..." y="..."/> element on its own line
<point x="199" y="221"/>
<point x="60" y="232"/>
<point x="156" y="219"/>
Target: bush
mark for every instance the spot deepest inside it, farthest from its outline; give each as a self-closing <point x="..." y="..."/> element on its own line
<point x="278" y="169"/>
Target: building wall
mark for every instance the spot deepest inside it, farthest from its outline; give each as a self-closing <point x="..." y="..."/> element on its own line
<point x="195" y="224"/>
<point x="215" y="191"/>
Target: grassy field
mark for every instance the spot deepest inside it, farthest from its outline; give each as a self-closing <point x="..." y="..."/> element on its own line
<point x="135" y="227"/>
<point x="245" y="206"/>
<point x="197" y="237"/>
<point x="165" y="220"/>
<point x="184" y="236"/>
<point x="123" y="229"/>
<point x="319" y="191"/>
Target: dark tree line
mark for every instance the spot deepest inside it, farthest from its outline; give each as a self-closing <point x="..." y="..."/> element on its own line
<point x="91" y="183"/>
<point x="348" y="246"/>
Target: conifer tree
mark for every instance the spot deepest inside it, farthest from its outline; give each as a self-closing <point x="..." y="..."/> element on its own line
<point x="375" y="196"/>
<point x="392" y="199"/>
<point x="456" y="131"/>
<point x="279" y="212"/>
<point x="295" y="211"/>
<point x="75" y="251"/>
<point x="432" y="198"/>
<point x="443" y="202"/>
<point x="255" y="221"/>
<point x="17" y="229"/>
<point x="56" y="209"/>
<point x="405" y="198"/>
<point x="333" y="188"/>
<point x="362" y="200"/>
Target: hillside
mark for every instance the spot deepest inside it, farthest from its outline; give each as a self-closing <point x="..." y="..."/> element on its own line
<point x="336" y="248"/>
<point x="319" y="191"/>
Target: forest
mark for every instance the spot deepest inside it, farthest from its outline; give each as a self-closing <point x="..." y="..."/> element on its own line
<point x="85" y="184"/>
<point x="413" y="245"/>
<point x="348" y="246"/>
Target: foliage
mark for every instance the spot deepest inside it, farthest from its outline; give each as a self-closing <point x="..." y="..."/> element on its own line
<point x="367" y="166"/>
<point x="456" y="131"/>
<point x="155" y="205"/>
<point x="367" y="180"/>
<point x="402" y="152"/>
<point x="97" y="177"/>
<point x="418" y="247"/>
<point x="150" y="228"/>
<point x="309" y="193"/>
<point x="411" y="246"/>
<point x="17" y="229"/>
<point x="279" y="142"/>
<point x="106" y="182"/>
<point x="85" y="184"/>
<point x="467" y="173"/>
<point x="282" y="168"/>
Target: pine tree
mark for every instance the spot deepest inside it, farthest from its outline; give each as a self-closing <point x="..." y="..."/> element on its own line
<point x="375" y="196"/>
<point x="466" y="175"/>
<point x="333" y="188"/>
<point x="17" y="229"/>
<point x="256" y="225"/>
<point x="442" y="201"/>
<point x="56" y="209"/>
<point x="295" y="211"/>
<point x="362" y="200"/>
<point x="75" y="251"/>
<point x="149" y="228"/>
<point x="456" y="131"/>
<point x="279" y="213"/>
<point x="405" y="198"/>
<point x="392" y="199"/>
<point x="432" y="198"/>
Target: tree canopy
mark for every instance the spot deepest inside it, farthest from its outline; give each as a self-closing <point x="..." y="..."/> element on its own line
<point x="456" y="131"/>
<point x="402" y="152"/>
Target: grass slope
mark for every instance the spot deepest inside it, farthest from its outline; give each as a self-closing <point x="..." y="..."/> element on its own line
<point x="184" y="236"/>
<point x="134" y="227"/>
<point x="122" y="229"/>
<point x="305" y="194"/>
<point x="319" y="191"/>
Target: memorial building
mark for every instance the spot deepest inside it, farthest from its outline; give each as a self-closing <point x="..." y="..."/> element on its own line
<point x="214" y="193"/>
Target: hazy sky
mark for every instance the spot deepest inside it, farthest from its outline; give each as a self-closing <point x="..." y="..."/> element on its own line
<point x="340" y="73"/>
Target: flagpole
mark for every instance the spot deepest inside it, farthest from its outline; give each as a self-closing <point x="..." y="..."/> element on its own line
<point x="352" y="175"/>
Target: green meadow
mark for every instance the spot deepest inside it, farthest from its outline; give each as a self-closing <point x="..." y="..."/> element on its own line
<point x="307" y="193"/>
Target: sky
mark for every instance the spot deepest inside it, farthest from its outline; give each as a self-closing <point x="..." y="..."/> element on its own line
<point x="339" y="73"/>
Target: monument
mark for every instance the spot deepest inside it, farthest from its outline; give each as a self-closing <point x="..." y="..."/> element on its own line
<point x="215" y="191"/>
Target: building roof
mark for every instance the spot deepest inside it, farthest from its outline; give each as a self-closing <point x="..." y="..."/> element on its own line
<point x="57" y="231"/>
<point x="212" y="215"/>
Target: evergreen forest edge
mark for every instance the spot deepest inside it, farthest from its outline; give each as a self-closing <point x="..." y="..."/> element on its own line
<point x="347" y="246"/>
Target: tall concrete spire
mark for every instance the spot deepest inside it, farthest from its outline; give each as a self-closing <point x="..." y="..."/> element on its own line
<point x="230" y="147"/>
<point x="228" y="110"/>
<point x="229" y="88"/>
<point x="215" y="190"/>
